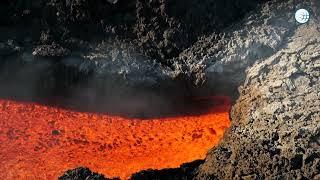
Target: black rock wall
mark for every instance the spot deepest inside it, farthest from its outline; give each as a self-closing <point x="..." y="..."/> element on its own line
<point x="160" y="28"/>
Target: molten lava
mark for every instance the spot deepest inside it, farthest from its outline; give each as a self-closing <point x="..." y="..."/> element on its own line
<point x="41" y="142"/>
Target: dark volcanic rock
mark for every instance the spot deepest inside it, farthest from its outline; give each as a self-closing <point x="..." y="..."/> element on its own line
<point x="53" y="50"/>
<point x="160" y="28"/>
<point x="165" y="28"/>
<point x="81" y="173"/>
<point x="183" y="173"/>
<point x="277" y="114"/>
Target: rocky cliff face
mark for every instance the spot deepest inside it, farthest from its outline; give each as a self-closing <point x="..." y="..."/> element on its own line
<point x="275" y="132"/>
<point x="276" y="119"/>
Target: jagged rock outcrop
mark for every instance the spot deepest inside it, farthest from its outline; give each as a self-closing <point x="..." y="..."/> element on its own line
<point x="185" y="171"/>
<point x="82" y="173"/>
<point x="53" y="50"/>
<point x="160" y="29"/>
<point x="275" y="131"/>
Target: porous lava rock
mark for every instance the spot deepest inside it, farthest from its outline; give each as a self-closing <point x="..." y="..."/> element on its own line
<point x="275" y="131"/>
<point x="160" y="29"/>
<point x="82" y="173"/>
<point x="53" y="50"/>
<point x="185" y="171"/>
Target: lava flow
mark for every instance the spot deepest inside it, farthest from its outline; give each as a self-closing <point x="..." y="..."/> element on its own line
<point x="41" y="142"/>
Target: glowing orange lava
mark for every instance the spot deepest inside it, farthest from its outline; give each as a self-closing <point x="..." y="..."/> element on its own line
<point x="41" y="142"/>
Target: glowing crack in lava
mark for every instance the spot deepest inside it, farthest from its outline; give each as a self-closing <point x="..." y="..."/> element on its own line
<point x="42" y="142"/>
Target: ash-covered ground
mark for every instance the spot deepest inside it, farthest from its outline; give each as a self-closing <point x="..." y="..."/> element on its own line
<point x="164" y="48"/>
